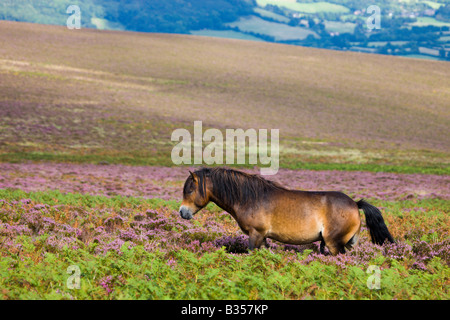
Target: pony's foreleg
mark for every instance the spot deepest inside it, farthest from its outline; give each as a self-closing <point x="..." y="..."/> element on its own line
<point x="255" y="239"/>
<point x="322" y="247"/>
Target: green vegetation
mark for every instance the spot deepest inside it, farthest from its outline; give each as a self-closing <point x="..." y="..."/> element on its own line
<point x="55" y="197"/>
<point x="39" y="11"/>
<point x="433" y="5"/>
<point x="311" y="7"/>
<point x="36" y="266"/>
<point x="341" y="27"/>
<point x="271" y="15"/>
<point x="427" y="21"/>
<point x="163" y="159"/>
<point x="230" y="34"/>
<point x="149" y="16"/>
<point x="420" y="56"/>
<point x="267" y="29"/>
<point x="137" y="274"/>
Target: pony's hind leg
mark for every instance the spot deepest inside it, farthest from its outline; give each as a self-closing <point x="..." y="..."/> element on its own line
<point x="343" y="231"/>
<point x="336" y="248"/>
<point x="334" y="242"/>
<point x="338" y="245"/>
<point x="353" y="241"/>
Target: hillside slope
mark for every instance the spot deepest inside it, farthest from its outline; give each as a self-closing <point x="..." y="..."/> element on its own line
<point x="120" y="94"/>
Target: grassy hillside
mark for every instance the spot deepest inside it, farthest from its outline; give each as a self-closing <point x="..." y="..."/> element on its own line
<point x="90" y="96"/>
<point x="102" y="97"/>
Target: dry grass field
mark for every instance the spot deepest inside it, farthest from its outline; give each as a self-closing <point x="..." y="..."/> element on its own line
<point x="119" y="95"/>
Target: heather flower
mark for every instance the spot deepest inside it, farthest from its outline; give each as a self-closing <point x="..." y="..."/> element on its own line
<point x="106" y="283"/>
<point x="163" y="230"/>
<point x="165" y="183"/>
<point x="39" y="207"/>
<point x="237" y="244"/>
<point x="115" y="245"/>
<point x="171" y="262"/>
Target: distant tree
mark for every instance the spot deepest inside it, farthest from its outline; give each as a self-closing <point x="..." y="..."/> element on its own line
<point x="176" y="16"/>
<point x="443" y="13"/>
<point x="442" y="53"/>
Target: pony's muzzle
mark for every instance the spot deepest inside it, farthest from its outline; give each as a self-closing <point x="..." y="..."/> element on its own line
<point x="185" y="213"/>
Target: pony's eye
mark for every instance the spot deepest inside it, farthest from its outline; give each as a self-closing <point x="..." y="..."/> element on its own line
<point x="189" y="191"/>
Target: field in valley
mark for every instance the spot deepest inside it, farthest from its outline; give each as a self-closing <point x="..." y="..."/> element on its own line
<point x="305" y="7"/>
<point x="86" y="177"/>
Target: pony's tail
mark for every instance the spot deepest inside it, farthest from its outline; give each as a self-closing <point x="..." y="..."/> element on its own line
<point x="375" y="222"/>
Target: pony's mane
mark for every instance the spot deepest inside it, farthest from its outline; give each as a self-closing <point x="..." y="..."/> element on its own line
<point x="232" y="186"/>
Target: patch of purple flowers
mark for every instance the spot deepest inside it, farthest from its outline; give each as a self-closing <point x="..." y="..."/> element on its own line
<point x="166" y="183"/>
<point x="108" y="230"/>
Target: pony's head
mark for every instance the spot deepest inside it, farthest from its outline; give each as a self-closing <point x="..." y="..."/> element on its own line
<point x="195" y="195"/>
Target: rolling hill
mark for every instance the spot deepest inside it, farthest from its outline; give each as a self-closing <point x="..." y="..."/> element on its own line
<point x="91" y="96"/>
<point x="416" y="29"/>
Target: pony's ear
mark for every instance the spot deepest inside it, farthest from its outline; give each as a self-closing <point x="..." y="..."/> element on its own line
<point x="194" y="176"/>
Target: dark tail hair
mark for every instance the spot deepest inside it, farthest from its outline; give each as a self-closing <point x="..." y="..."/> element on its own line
<point x="375" y="222"/>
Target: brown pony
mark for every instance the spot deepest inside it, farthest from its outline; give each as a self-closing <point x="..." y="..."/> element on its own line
<point x="264" y="209"/>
